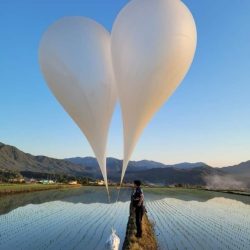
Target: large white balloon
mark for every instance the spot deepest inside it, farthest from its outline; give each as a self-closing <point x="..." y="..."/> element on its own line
<point x="75" y="59"/>
<point x="152" y="43"/>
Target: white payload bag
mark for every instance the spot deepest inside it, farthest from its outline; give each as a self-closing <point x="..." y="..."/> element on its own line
<point x="113" y="241"/>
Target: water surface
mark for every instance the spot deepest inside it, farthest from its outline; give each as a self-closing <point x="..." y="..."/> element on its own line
<point x="82" y="218"/>
<point x="62" y="219"/>
<point x="195" y="219"/>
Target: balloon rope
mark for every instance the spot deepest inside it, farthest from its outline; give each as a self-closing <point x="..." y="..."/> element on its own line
<point x="109" y="198"/>
<point x="116" y="201"/>
<point x="118" y="193"/>
<point x="107" y="188"/>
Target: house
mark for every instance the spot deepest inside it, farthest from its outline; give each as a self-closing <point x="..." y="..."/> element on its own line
<point x="101" y="182"/>
<point x="31" y="180"/>
<point x="72" y="183"/>
<point x="17" y="180"/>
<point x="46" y="182"/>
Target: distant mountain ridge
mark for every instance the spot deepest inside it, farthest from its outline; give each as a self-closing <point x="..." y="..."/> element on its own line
<point x="114" y="164"/>
<point x="11" y="158"/>
<point x="242" y="169"/>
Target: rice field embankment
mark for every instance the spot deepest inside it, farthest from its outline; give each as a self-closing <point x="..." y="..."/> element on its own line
<point x="148" y="240"/>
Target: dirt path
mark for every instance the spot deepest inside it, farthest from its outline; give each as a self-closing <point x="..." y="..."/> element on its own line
<point x="148" y="240"/>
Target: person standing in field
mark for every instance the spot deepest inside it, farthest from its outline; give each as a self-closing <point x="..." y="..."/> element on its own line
<point x="137" y="202"/>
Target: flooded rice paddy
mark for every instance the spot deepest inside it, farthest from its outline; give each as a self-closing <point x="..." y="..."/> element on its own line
<point x="82" y="219"/>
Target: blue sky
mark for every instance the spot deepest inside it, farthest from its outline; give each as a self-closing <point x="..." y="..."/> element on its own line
<point x="207" y="119"/>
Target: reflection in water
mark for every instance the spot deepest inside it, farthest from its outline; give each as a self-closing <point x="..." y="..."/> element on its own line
<point x="82" y="219"/>
<point x="62" y="225"/>
<point x="219" y="223"/>
<point x="98" y="194"/>
<point x="62" y="219"/>
<point x="73" y="195"/>
<point x="193" y="194"/>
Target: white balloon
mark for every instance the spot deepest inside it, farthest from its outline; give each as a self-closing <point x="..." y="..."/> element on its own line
<point x="152" y="44"/>
<point x="75" y="59"/>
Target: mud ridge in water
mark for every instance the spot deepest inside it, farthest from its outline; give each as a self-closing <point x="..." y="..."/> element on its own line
<point x="148" y="240"/>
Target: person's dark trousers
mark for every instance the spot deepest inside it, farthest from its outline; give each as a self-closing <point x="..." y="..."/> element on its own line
<point x="138" y="219"/>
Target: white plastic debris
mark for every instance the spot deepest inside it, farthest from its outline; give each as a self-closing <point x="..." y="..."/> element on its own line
<point x="113" y="241"/>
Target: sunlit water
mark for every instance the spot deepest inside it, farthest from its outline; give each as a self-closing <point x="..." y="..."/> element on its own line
<point x="215" y="224"/>
<point x="82" y="219"/>
<point x="73" y="219"/>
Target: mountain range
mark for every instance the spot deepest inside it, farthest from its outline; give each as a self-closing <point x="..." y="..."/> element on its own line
<point x="11" y="158"/>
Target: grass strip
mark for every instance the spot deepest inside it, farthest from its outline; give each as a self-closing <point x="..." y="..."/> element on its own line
<point x="148" y="240"/>
<point x="6" y="189"/>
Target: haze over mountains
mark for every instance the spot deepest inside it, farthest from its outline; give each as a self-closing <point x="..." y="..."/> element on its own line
<point x="151" y="172"/>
